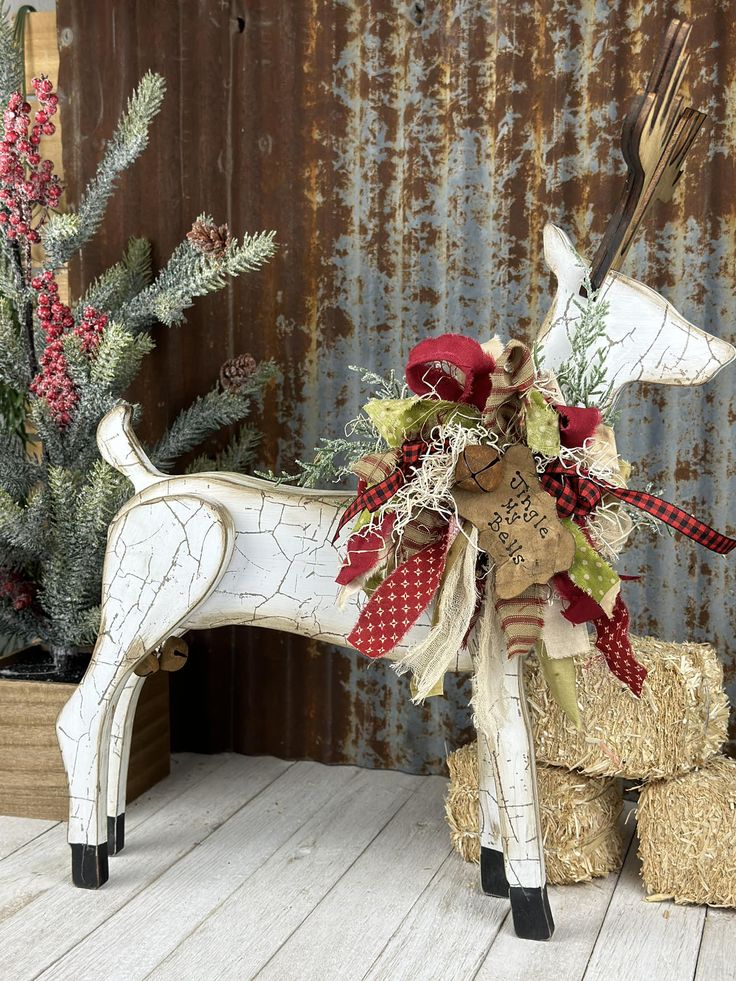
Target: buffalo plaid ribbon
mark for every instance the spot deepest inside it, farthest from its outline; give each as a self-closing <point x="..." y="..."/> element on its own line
<point x="578" y="494"/>
<point x="374" y="497"/>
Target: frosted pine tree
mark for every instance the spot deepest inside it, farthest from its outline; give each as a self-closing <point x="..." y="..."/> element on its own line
<point x="62" y="367"/>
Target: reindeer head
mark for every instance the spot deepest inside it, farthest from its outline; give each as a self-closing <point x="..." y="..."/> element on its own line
<point x="645" y="338"/>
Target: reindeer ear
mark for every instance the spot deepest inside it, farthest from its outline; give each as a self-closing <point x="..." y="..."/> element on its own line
<point x="563" y="259"/>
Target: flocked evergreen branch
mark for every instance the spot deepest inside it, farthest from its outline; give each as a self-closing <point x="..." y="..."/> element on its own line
<point x="79" y="451"/>
<point x="102" y="495"/>
<point x="121" y="282"/>
<point x="12" y="284"/>
<point x="19" y="472"/>
<point x="62" y="584"/>
<point x="382" y="388"/>
<point x="331" y="463"/>
<point x="14" y="371"/>
<point x="23" y="527"/>
<point x="190" y="273"/>
<point x="237" y="457"/>
<point x="65" y="233"/>
<point x="62" y="369"/>
<point x="118" y="358"/>
<point x="11" y="57"/>
<point x="80" y="513"/>
<point x="18" y="629"/>
<point x="193" y="425"/>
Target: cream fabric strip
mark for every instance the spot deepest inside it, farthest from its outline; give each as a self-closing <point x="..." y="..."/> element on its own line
<point x="488" y="648"/>
<point x="562" y="638"/>
<point x="429" y="659"/>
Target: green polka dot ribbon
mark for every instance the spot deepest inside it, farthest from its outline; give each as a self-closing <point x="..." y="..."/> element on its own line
<point x="588" y="570"/>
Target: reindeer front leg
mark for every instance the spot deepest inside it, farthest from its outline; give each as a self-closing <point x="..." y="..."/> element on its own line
<point x="493" y="879"/>
<point x="521" y="833"/>
<point x="509" y="819"/>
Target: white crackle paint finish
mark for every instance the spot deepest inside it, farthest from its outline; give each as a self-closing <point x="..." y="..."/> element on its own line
<point x="163" y="558"/>
<point x="646" y="339"/>
<point x="199" y="551"/>
<point x="121" y="737"/>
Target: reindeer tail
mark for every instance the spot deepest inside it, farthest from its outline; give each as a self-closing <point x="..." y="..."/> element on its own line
<point x="119" y="446"/>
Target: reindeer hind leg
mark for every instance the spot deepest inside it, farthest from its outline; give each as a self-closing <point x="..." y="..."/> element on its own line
<point x="120" y="740"/>
<point x="164" y="557"/>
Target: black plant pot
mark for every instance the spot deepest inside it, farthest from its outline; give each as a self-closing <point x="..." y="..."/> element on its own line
<point x="40" y="664"/>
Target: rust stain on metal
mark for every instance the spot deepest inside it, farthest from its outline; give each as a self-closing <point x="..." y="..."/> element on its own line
<point x="408" y="154"/>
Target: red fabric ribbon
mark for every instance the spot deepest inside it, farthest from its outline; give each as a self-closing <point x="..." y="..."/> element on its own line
<point x="581" y="608"/>
<point x="400" y="600"/>
<point x="612" y="633"/>
<point x="577" y="424"/>
<point x="613" y="642"/>
<point x="429" y="369"/>
<point x="578" y="494"/>
<point x="375" y="496"/>
<point x="363" y="551"/>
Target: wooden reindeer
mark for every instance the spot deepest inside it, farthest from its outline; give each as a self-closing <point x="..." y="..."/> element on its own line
<point x="192" y="552"/>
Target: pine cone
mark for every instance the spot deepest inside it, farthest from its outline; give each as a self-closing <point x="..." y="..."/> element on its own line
<point x="210" y="239"/>
<point x="235" y="373"/>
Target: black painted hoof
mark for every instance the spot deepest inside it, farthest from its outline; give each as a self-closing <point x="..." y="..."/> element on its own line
<point x="493" y="879"/>
<point x="89" y="865"/>
<point x="531" y="913"/>
<point x="116" y="834"/>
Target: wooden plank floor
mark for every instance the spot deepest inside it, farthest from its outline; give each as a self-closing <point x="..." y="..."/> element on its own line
<point x="241" y="867"/>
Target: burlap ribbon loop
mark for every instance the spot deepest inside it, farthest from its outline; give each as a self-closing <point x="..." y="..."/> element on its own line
<point x="510" y="381"/>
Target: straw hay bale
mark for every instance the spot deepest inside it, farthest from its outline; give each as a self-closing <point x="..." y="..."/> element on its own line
<point x="687" y="835"/>
<point x="679" y="722"/>
<point x="579" y="818"/>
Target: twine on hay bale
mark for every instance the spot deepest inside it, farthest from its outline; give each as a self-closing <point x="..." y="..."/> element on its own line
<point x="687" y="836"/>
<point x="579" y="818"/>
<point x="679" y="722"/>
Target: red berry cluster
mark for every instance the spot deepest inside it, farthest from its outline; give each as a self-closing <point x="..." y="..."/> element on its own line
<point x="54" y="383"/>
<point x="91" y="329"/>
<point x="20" y="592"/>
<point x="26" y="181"/>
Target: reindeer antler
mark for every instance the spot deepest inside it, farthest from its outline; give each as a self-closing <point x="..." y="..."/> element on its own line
<point x="656" y="137"/>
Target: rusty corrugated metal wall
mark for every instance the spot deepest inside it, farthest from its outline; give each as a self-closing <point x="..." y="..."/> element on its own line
<point x="408" y="154"/>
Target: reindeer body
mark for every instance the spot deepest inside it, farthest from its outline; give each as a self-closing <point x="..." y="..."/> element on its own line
<point x="200" y="551"/>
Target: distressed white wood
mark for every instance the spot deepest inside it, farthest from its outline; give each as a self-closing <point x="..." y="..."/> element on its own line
<point x="441" y="930"/>
<point x="200" y="551"/>
<point x="661" y="939"/>
<point x="516" y="783"/>
<point x="716" y="954"/>
<point x="242" y="932"/>
<point x="372" y="898"/>
<point x="646" y="339"/>
<point x="211" y="549"/>
<point x="37" y="937"/>
<point x="163" y="558"/>
<point x="580" y="911"/>
<point x="489" y="818"/>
